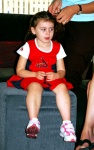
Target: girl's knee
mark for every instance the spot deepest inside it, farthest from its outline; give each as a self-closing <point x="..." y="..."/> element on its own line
<point x="34" y="86"/>
<point x="61" y="87"/>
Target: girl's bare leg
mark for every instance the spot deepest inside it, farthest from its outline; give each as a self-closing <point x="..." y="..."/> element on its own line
<point x="33" y="100"/>
<point x="63" y="101"/>
<point x="63" y="104"/>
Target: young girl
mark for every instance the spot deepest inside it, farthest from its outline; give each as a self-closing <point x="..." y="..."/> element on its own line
<point x="41" y="66"/>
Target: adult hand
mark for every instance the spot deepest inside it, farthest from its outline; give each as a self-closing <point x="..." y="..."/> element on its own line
<point x="67" y="13"/>
<point x="55" y="7"/>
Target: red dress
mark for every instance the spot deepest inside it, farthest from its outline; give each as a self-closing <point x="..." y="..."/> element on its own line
<point x="39" y="61"/>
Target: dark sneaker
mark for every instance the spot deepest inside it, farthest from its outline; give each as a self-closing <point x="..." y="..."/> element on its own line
<point x="33" y="129"/>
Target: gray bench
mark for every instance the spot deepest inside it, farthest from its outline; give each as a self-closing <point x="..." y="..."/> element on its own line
<point x="14" y="118"/>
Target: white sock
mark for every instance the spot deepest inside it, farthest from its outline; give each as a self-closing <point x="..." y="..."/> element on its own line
<point x="34" y="119"/>
<point x="66" y="121"/>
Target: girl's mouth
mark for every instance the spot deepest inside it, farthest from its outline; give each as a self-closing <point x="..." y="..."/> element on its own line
<point x="47" y="38"/>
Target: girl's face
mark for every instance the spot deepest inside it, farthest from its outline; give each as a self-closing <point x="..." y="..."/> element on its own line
<point x="44" y="31"/>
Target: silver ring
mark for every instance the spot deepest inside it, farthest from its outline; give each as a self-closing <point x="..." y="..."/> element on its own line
<point x="65" y="22"/>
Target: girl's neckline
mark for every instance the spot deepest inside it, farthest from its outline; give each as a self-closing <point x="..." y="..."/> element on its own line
<point x="42" y="49"/>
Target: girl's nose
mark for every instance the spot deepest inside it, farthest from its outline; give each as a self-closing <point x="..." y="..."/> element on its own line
<point x="48" y="32"/>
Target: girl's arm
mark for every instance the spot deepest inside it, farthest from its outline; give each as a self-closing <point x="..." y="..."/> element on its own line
<point x="50" y="76"/>
<point x="20" y="69"/>
<point x="60" y="68"/>
<point x="22" y="72"/>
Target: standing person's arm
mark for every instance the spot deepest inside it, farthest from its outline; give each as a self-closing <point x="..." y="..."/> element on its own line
<point x="68" y="12"/>
<point x="88" y="8"/>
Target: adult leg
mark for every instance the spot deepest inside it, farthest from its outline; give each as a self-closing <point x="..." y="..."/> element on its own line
<point x="79" y="47"/>
<point x="88" y="129"/>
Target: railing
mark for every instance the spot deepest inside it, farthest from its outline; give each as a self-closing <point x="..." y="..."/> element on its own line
<point x="23" y="6"/>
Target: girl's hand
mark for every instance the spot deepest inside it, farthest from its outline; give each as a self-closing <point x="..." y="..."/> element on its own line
<point x="40" y="75"/>
<point x="67" y="13"/>
<point x="50" y="76"/>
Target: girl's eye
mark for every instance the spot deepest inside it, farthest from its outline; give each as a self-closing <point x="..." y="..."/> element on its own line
<point x="43" y="29"/>
<point x="51" y="29"/>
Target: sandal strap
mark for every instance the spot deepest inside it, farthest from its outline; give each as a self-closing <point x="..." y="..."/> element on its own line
<point x="91" y="146"/>
<point x="85" y="141"/>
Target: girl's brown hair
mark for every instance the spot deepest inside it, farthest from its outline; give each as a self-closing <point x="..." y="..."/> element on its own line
<point x="46" y="16"/>
<point x="43" y="15"/>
